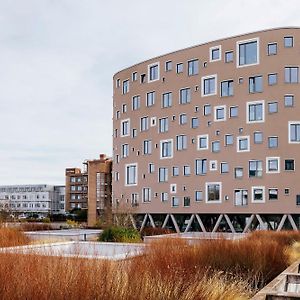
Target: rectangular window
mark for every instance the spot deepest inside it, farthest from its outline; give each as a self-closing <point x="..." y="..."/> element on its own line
<point x="124" y="108"/>
<point x="228" y="139"/>
<point x="131" y="174"/>
<point x="288" y="42"/>
<point x="186" y="170"/>
<point x="258" y="137"/>
<point x="168" y="66"/>
<point x="255" y="112"/>
<point x="273" y="194"/>
<point x="195" y="123"/>
<point x="272" y="107"/>
<point x="125" y="150"/>
<point x="215" y="146"/>
<point x="209" y="85"/>
<point x="153" y="72"/>
<point x="150" y="99"/>
<point x="288" y="100"/>
<point x="206" y="109"/>
<point x="166" y="149"/>
<point x="255" y="84"/>
<point x="229" y="56"/>
<point x="213" y="192"/>
<point x="125" y="127"/>
<point x="186" y="201"/>
<point x="147" y="147"/>
<point x="134" y="76"/>
<point x="167" y="100"/>
<point x="272" y="79"/>
<point x="175" y="171"/>
<point x="294" y="132"/>
<point x="146" y="195"/>
<point x="175" y="201"/>
<point x="240" y="197"/>
<point x="258" y="194"/>
<point x="291" y="74"/>
<point x="201" y="166"/>
<point x="185" y="96"/>
<point x="193" y="67"/>
<point x="215" y="53"/>
<point x="143" y="78"/>
<point x="162" y="174"/>
<point x="163" y="125"/>
<point x="273" y="164"/>
<point x="144" y="123"/>
<point x="233" y="111"/>
<point x="125" y="87"/>
<point x="198" y="195"/>
<point x="164" y="197"/>
<point x="182" y="119"/>
<point x="227" y="88"/>
<point x="255" y="168"/>
<point x="151" y="168"/>
<point x="203" y="142"/>
<point x="248" y="53"/>
<point x="289" y="165"/>
<point x="224" y="167"/>
<point x="238" y="172"/>
<point x="134" y="133"/>
<point x="273" y="141"/>
<point x="220" y="113"/>
<point x="181" y="142"/>
<point x="136" y="102"/>
<point x="272" y="49"/>
<point x="179" y="68"/>
<point x="243" y="143"/>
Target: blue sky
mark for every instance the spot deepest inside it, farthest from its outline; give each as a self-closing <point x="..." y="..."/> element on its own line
<point x="57" y="59"/>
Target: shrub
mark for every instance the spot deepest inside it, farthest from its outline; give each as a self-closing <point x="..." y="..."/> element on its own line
<point x="12" y="237"/>
<point x="29" y="226"/>
<point x="149" y="231"/>
<point x="120" y="235"/>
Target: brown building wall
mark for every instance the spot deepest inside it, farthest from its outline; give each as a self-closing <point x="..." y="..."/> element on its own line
<point x="275" y="124"/>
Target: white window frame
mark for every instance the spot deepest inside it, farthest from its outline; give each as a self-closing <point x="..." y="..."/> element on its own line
<point x="247" y="137"/>
<point x="289" y="131"/>
<point x="213" y="163"/>
<point x="211" y="51"/>
<point x="207" y="142"/>
<point x="215" y="113"/>
<point x="136" y="179"/>
<point x="238" y="43"/>
<point x="216" y="85"/>
<point x="158" y="71"/>
<point x="206" y="192"/>
<point x="252" y="194"/>
<point x="172" y="148"/>
<point x="173" y="191"/>
<point x="267" y="164"/>
<point x="247" y="111"/>
<point x="121" y="128"/>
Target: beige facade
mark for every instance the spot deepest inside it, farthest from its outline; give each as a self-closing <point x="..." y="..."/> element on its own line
<point x="211" y="130"/>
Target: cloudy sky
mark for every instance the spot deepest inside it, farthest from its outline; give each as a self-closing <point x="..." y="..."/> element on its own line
<point x="57" y="59"/>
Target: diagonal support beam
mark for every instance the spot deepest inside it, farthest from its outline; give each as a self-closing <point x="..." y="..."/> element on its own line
<point x="166" y="221"/>
<point x="292" y="222"/>
<point x="229" y="223"/>
<point x="132" y="221"/>
<point x="248" y="224"/>
<point x="144" y="222"/>
<point x="261" y="222"/>
<point x="151" y="220"/>
<point x="175" y="223"/>
<point x="200" y="223"/>
<point x="189" y="223"/>
<point x="218" y="223"/>
<point x="281" y="223"/>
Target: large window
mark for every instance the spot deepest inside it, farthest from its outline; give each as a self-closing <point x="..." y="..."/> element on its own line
<point x="166" y="149"/>
<point x="163" y="124"/>
<point x="144" y="123"/>
<point x="147" y="147"/>
<point x="255" y="112"/>
<point x="291" y="74"/>
<point x="294" y="132"/>
<point x="167" y="100"/>
<point x="150" y="99"/>
<point x="181" y="142"/>
<point x="248" y="53"/>
<point x="240" y="197"/>
<point x="193" y="67"/>
<point x="185" y="96"/>
<point x="209" y="85"/>
<point x="213" y="192"/>
<point x="146" y="194"/>
<point x="255" y="168"/>
<point x="131" y="174"/>
<point x="201" y="166"/>
<point x="255" y="84"/>
<point x="227" y="88"/>
<point x="163" y="174"/>
<point x="153" y="72"/>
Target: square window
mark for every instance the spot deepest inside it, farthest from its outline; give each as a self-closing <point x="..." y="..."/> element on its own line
<point x="272" y="49"/>
<point x="198" y="195"/>
<point x="207" y="110"/>
<point x="233" y="111"/>
<point x="229" y="56"/>
<point x="258" y="194"/>
<point x="238" y="172"/>
<point x="273" y="164"/>
<point x="248" y="52"/>
<point x="288" y="100"/>
<point x="220" y="113"/>
<point x="272" y="79"/>
<point x="273" y="141"/>
<point x="289" y="165"/>
<point x="203" y="142"/>
<point x="168" y="66"/>
<point x="273" y="194"/>
<point x="209" y="85"/>
<point x="255" y="84"/>
<point x="185" y="96"/>
<point x="224" y="167"/>
<point x="291" y="74"/>
<point x="288" y="42"/>
<point x="195" y="123"/>
<point x="215" y="146"/>
<point x="227" y="88"/>
<point x="240" y="197"/>
<point x="228" y="139"/>
<point x="255" y="112"/>
<point x="215" y="53"/>
<point x="213" y="192"/>
<point x="255" y="168"/>
<point x="272" y="107"/>
<point x="179" y="68"/>
<point x="243" y="143"/>
<point x="258" y="137"/>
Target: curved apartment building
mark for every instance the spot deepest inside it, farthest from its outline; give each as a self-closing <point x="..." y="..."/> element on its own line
<point x="208" y="138"/>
